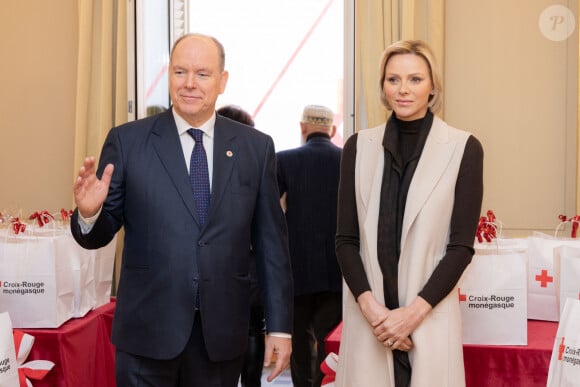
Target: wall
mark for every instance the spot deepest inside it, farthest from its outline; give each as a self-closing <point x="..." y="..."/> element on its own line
<point x="37" y="104"/>
<point x="517" y="91"/>
<point x="519" y="108"/>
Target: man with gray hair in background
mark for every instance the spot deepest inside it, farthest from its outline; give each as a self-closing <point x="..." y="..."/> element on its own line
<point x="308" y="182"/>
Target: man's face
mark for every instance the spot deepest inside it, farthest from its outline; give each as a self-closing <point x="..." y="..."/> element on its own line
<point x="196" y="79"/>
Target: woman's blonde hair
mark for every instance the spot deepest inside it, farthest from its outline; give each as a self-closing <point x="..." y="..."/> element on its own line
<point x="422" y="49"/>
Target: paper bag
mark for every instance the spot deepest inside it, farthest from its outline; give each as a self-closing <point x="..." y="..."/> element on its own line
<point x="567" y="264"/>
<point x="492" y="295"/>
<point x="542" y="278"/>
<point x="8" y="365"/>
<point x="103" y="267"/>
<point x="35" y="287"/>
<point x="81" y="263"/>
<point x="92" y="272"/>
<point x="564" y="368"/>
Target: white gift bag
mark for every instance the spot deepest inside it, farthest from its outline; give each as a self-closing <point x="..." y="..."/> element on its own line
<point x="8" y="364"/>
<point x="103" y="267"/>
<point x="81" y="263"/>
<point x="492" y="294"/>
<point x="35" y="287"/>
<point x="542" y="278"/>
<point x="564" y="368"/>
<point x="78" y="260"/>
<point x="92" y="272"/>
<point x="567" y="264"/>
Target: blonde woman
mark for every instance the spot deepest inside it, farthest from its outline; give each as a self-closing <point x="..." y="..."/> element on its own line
<point x="409" y="201"/>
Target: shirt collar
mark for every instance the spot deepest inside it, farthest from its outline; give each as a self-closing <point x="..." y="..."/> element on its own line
<point x="182" y="125"/>
<point x="317" y="134"/>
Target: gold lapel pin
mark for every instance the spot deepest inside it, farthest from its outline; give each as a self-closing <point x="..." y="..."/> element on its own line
<point x="229" y="153"/>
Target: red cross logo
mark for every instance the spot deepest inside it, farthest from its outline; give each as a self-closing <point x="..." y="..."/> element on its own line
<point x="544" y="278"/>
<point x="462" y="297"/>
<point x="561" y="349"/>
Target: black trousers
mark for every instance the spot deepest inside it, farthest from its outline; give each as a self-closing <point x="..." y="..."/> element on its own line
<point x="315" y="316"/>
<point x="254" y="357"/>
<point x="192" y="368"/>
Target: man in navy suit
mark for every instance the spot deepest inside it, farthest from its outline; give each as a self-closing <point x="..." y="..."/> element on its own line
<point x="183" y="300"/>
<point x="308" y="181"/>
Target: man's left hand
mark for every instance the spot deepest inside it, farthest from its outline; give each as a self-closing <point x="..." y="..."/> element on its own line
<point x="280" y="346"/>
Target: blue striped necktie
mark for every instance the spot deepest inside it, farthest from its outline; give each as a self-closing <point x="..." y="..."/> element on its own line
<point x="199" y="175"/>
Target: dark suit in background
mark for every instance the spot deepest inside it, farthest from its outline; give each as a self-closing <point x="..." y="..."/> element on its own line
<point x="183" y="301"/>
<point x="308" y="179"/>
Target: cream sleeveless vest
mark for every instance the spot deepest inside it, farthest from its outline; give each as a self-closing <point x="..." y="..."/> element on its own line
<point x="437" y="356"/>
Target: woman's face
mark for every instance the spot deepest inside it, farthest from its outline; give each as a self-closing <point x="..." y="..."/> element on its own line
<point x="408" y="86"/>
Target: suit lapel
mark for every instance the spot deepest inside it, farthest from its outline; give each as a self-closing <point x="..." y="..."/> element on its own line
<point x="168" y="147"/>
<point x="225" y="156"/>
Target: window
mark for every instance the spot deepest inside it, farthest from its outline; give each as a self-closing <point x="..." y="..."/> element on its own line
<point x="281" y="56"/>
<point x="152" y="52"/>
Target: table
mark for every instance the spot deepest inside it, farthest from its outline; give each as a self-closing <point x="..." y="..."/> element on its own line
<point x="499" y="365"/>
<point x="81" y="350"/>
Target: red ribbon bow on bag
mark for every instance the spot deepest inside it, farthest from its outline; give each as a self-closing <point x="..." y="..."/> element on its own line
<point x="486" y="228"/>
<point x="575" y="220"/>
<point x="42" y="217"/>
<point x="17" y="226"/>
<point x="328" y="368"/>
<point x="35" y="369"/>
<point x="64" y="214"/>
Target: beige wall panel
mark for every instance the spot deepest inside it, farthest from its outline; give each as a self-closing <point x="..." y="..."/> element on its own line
<point x="37" y="104"/>
<point x="517" y="92"/>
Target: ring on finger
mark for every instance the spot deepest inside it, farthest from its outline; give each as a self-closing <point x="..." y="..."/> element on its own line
<point x="389" y="342"/>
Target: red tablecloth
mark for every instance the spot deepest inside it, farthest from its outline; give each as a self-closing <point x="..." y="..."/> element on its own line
<point x="81" y="350"/>
<point x="492" y="366"/>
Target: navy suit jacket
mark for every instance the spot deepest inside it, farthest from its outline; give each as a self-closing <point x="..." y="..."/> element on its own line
<point x="168" y="257"/>
<point x="309" y="175"/>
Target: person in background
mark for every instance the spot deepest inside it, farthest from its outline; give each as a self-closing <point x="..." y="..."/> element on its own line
<point x="409" y="202"/>
<point x="154" y="109"/>
<point x="308" y="182"/>
<point x="198" y="199"/>
<point x="254" y="358"/>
